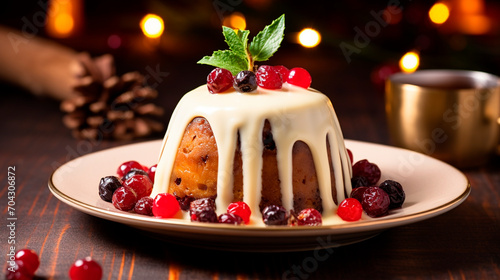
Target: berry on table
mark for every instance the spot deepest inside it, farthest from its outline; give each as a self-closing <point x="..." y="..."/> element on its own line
<point x="152" y="173"/>
<point x="107" y="186"/>
<point x="124" y="198"/>
<point x="350" y="210"/>
<point x="219" y="80"/>
<point x="165" y="205"/>
<point x="268" y="77"/>
<point x="125" y="167"/>
<point x="368" y="170"/>
<point x="375" y="202"/>
<point x="228" y="218"/>
<point x="85" y="269"/>
<point x="309" y="217"/>
<point x="299" y="77"/>
<point x="245" y="81"/>
<point x="241" y="209"/>
<point x="283" y="72"/>
<point x="18" y="271"/>
<point x="395" y="192"/>
<point x="141" y="184"/>
<point x="30" y="260"/>
<point x="274" y="215"/>
<point x="144" y="206"/>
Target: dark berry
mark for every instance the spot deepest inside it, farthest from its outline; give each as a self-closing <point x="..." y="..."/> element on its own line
<point x="185" y="202"/>
<point x="144" y="206"/>
<point x="152" y="173"/>
<point x="283" y="72"/>
<point x="309" y="217"/>
<point x="241" y="209"/>
<point x="350" y="210"/>
<point x="124" y="198"/>
<point x="357" y="193"/>
<point x="245" y="81"/>
<point x="299" y="77"/>
<point x="107" y="186"/>
<point x="395" y="192"/>
<point x="375" y="202"/>
<point x="367" y="169"/>
<point x="125" y="167"/>
<point x="268" y="77"/>
<point x="29" y="260"/>
<point x="165" y="205"/>
<point x="274" y="215"/>
<point x="85" y="269"/>
<point x="359" y="181"/>
<point x="134" y="171"/>
<point x="201" y="203"/>
<point x="17" y="271"/>
<point x="219" y="80"/>
<point x="228" y="218"/>
<point x="203" y="210"/>
<point x="351" y="157"/>
<point x="141" y="184"/>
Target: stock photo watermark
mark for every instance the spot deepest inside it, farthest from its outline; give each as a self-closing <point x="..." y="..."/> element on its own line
<point x="11" y="216"/>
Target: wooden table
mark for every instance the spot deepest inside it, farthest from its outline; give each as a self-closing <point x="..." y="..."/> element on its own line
<point x="461" y="244"/>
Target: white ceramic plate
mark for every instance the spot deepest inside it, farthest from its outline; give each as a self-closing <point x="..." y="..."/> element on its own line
<point x="431" y="186"/>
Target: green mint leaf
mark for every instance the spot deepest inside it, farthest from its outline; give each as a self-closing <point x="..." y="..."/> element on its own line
<point x="226" y="59"/>
<point x="237" y="42"/>
<point x="267" y="42"/>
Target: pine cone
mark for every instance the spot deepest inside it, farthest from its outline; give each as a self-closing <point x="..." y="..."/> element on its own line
<point x="107" y="106"/>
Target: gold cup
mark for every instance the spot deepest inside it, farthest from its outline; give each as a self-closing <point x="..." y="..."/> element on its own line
<point x="452" y="115"/>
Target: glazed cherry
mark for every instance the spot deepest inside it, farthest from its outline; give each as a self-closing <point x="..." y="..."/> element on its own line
<point x="375" y="202"/>
<point x="283" y="72"/>
<point x="203" y="210"/>
<point x="228" y="218"/>
<point x="309" y="217"/>
<point x="124" y="198"/>
<point x="274" y="215"/>
<point x="165" y="205"/>
<point x="245" y="81"/>
<point x="219" y="80"/>
<point x="299" y="77"/>
<point x="141" y="184"/>
<point x="125" y="167"/>
<point x="241" y="209"/>
<point x="268" y="77"/>
<point x="152" y="173"/>
<point x="144" y="206"/>
<point x="350" y="210"/>
<point x="358" y="192"/>
<point x="368" y="170"/>
<point x="107" y="186"/>
<point x="395" y="192"/>
<point x="30" y="260"/>
<point x="134" y="171"/>
<point x="85" y="269"/>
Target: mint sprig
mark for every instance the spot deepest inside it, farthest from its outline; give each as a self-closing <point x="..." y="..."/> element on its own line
<point x="242" y="56"/>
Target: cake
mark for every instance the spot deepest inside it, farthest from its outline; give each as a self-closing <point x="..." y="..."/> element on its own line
<point x="282" y="147"/>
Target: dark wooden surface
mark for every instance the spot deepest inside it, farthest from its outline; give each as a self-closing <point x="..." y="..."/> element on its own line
<point x="461" y="244"/>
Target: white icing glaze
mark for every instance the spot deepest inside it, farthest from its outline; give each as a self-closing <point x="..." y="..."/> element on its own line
<point x="295" y="114"/>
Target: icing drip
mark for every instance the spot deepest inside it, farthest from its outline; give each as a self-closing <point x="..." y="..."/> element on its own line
<point x="295" y="114"/>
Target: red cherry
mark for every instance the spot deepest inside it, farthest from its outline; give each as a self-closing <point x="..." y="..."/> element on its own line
<point x="125" y="167"/>
<point x="124" y="198"/>
<point x="141" y="184"/>
<point x="241" y="209"/>
<point x="268" y="77"/>
<point x="350" y="210"/>
<point x="85" y="269"/>
<point x="299" y="77"/>
<point x="219" y="80"/>
<point x="30" y="260"/>
<point x="152" y="172"/>
<point x="18" y="271"/>
<point x="165" y="206"/>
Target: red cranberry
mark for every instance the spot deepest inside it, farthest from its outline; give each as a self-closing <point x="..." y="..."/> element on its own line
<point x="144" y="206"/>
<point x="274" y="215"/>
<point x="241" y="209"/>
<point x="283" y="72"/>
<point x="368" y="170"/>
<point x="375" y="202"/>
<point x="125" y="167"/>
<point x="299" y="77"/>
<point x="203" y="210"/>
<point x="309" y="217"/>
<point x="219" y="80"/>
<point x="140" y="184"/>
<point x="124" y="198"/>
<point x="395" y="192"/>
<point x="107" y="186"/>
<point x="165" y="206"/>
<point x="350" y="210"/>
<point x="30" y="260"/>
<point x="268" y="77"/>
<point x="358" y="192"/>
<point x="228" y="218"/>
<point x="85" y="269"/>
<point x="152" y="173"/>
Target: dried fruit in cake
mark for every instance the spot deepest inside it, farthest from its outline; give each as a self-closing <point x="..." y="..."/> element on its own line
<point x="274" y="215"/>
<point x="268" y="77"/>
<point x="395" y="192"/>
<point x="124" y="198"/>
<point x="85" y="269"/>
<point x="375" y="202"/>
<point x="368" y="170"/>
<point x="219" y="80"/>
<point x="350" y="210"/>
<point x="125" y="167"/>
<point x="309" y="217"/>
<point x="165" y="205"/>
<point x="107" y="186"/>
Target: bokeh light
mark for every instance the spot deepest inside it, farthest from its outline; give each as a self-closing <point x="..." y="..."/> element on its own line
<point x="152" y="26"/>
<point x="409" y="62"/>
<point x="439" y="13"/>
<point x="114" y="41"/>
<point x="235" y="20"/>
<point x="309" y="38"/>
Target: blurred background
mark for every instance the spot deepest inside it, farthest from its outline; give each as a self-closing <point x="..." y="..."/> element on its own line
<point x="349" y="47"/>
